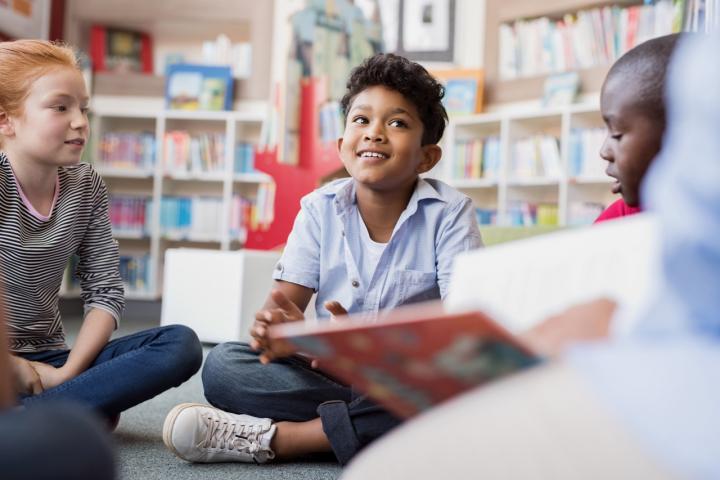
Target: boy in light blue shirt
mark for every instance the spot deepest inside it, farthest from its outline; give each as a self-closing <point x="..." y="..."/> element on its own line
<point x="382" y="238"/>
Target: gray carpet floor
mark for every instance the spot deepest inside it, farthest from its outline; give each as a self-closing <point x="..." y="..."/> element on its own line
<point x="140" y="452"/>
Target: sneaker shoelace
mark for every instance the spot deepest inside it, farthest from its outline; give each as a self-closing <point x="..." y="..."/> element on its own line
<point x="226" y="435"/>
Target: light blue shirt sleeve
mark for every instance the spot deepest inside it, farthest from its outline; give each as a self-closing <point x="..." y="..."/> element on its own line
<point x="459" y="233"/>
<point x="300" y="261"/>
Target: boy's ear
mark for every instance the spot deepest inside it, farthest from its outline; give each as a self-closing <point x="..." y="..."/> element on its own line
<point x="339" y="143"/>
<point x="431" y="156"/>
<point x="6" y="127"/>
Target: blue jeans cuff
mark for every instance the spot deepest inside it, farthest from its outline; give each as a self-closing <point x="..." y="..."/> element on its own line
<point x="339" y="429"/>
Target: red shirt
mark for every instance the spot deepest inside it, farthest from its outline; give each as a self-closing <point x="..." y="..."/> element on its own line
<point x="616" y="210"/>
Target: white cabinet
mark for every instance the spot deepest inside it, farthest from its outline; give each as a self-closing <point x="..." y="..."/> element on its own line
<point x="216" y="293"/>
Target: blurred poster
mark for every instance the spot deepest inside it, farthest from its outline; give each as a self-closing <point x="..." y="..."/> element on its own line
<point x="25" y="18"/>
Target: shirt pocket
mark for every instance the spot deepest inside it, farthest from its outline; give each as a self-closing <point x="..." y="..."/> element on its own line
<point x="415" y="286"/>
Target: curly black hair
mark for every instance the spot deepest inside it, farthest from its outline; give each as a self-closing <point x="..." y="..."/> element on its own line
<point x="411" y="80"/>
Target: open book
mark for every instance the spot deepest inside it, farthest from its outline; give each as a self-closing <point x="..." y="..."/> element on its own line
<point x="410" y="358"/>
<point x="413" y="357"/>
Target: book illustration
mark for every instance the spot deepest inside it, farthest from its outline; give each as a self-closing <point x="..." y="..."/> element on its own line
<point x="199" y="87"/>
<point x="460" y="95"/>
<point x="413" y="357"/>
<point x="184" y="90"/>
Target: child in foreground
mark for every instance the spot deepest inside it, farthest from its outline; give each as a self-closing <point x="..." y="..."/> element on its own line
<point x="633" y="109"/>
<point x="51" y="208"/>
<point x="382" y="238"/>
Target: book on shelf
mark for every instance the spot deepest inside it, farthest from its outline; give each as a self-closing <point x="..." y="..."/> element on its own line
<point x="584" y="146"/>
<point x="477" y="158"/>
<point x="186" y="152"/>
<point x="134" y="271"/>
<point x="486" y="216"/>
<point x="127" y="150"/>
<point x="244" y="161"/>
<point x="526" y="214"/>
<point x="537" y="156"/>
<point x="198" y="87"/>
<point x="120" y="50"/>
<point x="130" y="215"/>
<point x="411" y="358"/>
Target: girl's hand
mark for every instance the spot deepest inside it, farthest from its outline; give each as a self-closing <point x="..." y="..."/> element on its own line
<point x="49" y="375"/>
<point x="27" y="380"/>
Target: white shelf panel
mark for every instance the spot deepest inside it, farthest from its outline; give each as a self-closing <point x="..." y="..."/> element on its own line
<point x="192" y="237"/>
<point x="251" y="177"/>
<point x="196" y="177"/>
<point x="533" y="182"/>
<point x="110" y="172"/>
<point x="131" y="235"/>
<point x="473" y="183"/>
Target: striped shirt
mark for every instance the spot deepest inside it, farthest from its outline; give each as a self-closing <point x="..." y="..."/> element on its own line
<point x="35" y="250"/>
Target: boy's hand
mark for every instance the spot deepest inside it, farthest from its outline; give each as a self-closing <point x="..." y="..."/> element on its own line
<point x="335" y="309"/>
<point x="285" y="311"/>
<point x="49" y="375"/>
<point x="27" y="380"/>
<point x="585" y="322"/>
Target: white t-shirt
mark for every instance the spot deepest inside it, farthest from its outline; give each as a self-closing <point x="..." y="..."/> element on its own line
<point x="371" y="252"/>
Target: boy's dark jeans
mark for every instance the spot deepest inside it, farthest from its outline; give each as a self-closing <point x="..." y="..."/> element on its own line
<point x="127" y="371"/>
<point x="290" y="390"/>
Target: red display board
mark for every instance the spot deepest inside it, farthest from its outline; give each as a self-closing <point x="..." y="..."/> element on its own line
<point x="317" y="160"/>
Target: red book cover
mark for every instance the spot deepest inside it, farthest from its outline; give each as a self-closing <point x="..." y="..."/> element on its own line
<point x="410" y="358"/>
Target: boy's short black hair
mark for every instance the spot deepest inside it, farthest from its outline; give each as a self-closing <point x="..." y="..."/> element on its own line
<point x="411" y="80"/>
<point x="646" y="66"/>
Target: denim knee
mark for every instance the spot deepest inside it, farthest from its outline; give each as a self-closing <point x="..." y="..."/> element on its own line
<point x="225" y="364"/>
<point x="185" y="349"/>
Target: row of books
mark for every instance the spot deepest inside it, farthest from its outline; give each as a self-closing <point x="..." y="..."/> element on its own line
<point x="477" y="158"/>
<point x="201" y="217"/>
<point x="134" y="270"/>
<point x="588" y="38"/>
<point x="127" y="150"/>
<point x="584" y="152"/>
<point x="130" y="215"/>
<point x="186" y="152"/>
<point x="486" y="216"/>
<point x="525" y="214"/>
<point x="700" y="15"/>
<point x="244" y="160"/>
<point x="537" y="156"/>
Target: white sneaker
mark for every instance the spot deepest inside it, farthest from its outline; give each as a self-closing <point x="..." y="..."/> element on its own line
<point x="201" y="433"/>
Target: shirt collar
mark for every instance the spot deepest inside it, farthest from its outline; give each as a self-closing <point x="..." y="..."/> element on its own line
<point x="344" y="193"/>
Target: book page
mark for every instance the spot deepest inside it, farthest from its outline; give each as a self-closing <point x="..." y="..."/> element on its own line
<point x="521" y="283"/>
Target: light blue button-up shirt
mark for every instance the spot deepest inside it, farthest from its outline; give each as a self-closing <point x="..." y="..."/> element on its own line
<point x="324" y="249"/>
<point x="664" y="381"/>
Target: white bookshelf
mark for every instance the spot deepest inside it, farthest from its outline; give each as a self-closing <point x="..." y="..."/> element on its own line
<point x="156" y="182"/>
<point x="504" y="189"/>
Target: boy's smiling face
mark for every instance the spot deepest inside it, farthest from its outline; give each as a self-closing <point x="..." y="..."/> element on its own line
<point x="633" y="137"/>
<point x="382" y="144"/>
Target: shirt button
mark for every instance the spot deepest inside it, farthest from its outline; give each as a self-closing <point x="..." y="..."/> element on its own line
<point x="355" y="283"/>
<point x="278" y="266"/>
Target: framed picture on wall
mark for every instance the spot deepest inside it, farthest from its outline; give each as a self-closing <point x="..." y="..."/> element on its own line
<point x="25" y="18"/>
<point x="425" y="30"/>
